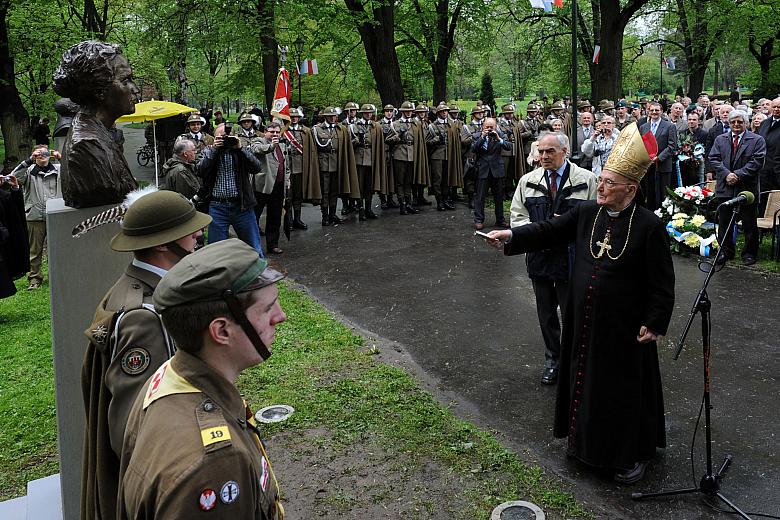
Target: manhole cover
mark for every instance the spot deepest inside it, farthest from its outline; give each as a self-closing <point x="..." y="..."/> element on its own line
<point x="274" y="413"/>
<point x="517" y="510"/>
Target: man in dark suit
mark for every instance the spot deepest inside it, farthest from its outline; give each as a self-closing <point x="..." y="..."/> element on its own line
<point x="659" y="174"/>
<point x="737" y="158"/>
<point x="692" y="171"/>
<point x="490" y="172"/>
<point x="584" y="131"/>
<point x="770" y="131"/>
<point x="721" y="126"/>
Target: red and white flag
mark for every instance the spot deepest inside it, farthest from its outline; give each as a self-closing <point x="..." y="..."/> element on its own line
<point x="308" y="68"/>
<point x="281" y="105"/>
<point x="596" y="54"/>
<point x="558" y="3"/>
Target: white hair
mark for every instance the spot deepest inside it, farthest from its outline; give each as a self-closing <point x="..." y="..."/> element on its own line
<point x="741" y="114"/>
<point x="563" y="140"/>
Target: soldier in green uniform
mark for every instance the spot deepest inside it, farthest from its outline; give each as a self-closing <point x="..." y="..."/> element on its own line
<point x="422" y="178"/>
<point x="327" y="151"/>
<point x="623" y="118"/>
<point x="349" y="205"/>
<point x="390" y="138"/>
<point x="196" y="134"/>
<point x="404" y="158"/>
<point x="439" y="138"/>
<point x="246" y="130"/>
<point x="304" y="167"/>
<point x="456" y="124"/>
<point x="191" y="448"/>
<point x="514" y="161"/>
<point x="468" y="134"/>
<point x="127" y="339"/>
<point x="370" y="159"/>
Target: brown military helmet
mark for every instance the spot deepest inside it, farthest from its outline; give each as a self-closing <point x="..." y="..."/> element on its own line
<point x="196" y="118"/>
<point x="606" y="104"/>
<point x="246" y="116"/>
<point x="157" y="219"/>
<point x="509" y="108"/>
<point x="421" y="108"/>
<point x="558" y="105"/>
<point x="454" y="109"/>
<point x="388" y="107"/>
<point x="329" y="111"/>
<point x="294" y="112"/>
<point x="442" y="107"/>
<point x="532" y="107"/>
<point x="478" y="109"/>
<point x="584" y="104"/>
<point x="367" y="108"/>
<point x="406" y="106"/>
<point x="351" y="106"/>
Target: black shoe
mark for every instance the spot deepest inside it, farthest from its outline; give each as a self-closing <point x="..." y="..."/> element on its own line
<point x="299" y="224"/>
<point x="335" y="220"/>
<point x="412" y="210"/>
<point x="325" y="220"/>
<point x="371" y="215"/>
<point x="749" y="260"/>
<point x="633" y="475"/>
<point x="422" y="201"/>
<point x="403" y="209"/>
<point x="362" y="215"/>
<point x="449" y="205"/>
<point x="346" y="210"/>
<point x="550" y="376"/>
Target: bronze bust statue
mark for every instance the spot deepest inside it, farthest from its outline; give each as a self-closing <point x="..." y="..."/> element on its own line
<point x="97" y="77"/>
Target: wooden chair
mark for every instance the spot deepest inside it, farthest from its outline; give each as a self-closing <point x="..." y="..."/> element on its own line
<point x="711" y="185"/>
<point x="770" y="222"/>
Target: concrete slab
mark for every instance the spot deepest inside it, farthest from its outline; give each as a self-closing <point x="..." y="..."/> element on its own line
<point x="15" y="509"/>
<point x="466" y="317"/>
<point x="44" y="499"/>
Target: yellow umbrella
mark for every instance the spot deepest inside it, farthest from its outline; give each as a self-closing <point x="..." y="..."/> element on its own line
<point x="151" y="110"/>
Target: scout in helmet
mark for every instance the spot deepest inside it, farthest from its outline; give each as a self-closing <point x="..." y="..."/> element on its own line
<point x="390" y="140"/>
<point x="350" y="111"/>
<point x="336" y="165"/>
<point x="222" y="308"/>
<point x="196" y="134"/>
<point x="246" y="130"/>
<point x="368" y="142"/>
<point x="127" y="341"/>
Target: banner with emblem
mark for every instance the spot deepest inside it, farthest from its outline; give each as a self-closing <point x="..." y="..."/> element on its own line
<point x="281" y="104"/>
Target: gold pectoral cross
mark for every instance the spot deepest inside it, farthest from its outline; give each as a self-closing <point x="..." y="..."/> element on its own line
<point x="604" y="245"/>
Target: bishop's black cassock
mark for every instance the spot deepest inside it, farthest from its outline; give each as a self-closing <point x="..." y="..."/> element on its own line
<point x="610" y="401"/>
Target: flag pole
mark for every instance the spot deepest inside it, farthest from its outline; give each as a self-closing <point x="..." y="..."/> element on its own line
<point x="574" y="147"/>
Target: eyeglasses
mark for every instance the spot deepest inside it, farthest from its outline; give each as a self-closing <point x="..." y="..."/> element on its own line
<point x="610" y="183"/>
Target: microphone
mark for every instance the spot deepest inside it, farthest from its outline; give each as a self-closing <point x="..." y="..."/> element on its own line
<point x="744" y="197"/>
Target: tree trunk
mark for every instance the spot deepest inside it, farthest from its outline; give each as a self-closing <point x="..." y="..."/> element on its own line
<point x="268" y="49"/>
<point x="14" y="119"/>
<point x="379" y="43"/>
<point x="439" y="70"/>
<point x="696" y="81"/>
<point x="606" y="78"/>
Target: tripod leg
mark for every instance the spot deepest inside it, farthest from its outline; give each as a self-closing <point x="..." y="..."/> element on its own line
<point x="640" y="496"/>
<point x="737" y="510"/>
<point x="724" y="467"/>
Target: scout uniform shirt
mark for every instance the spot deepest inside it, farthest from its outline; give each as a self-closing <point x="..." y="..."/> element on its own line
<point x="191" y="450"/>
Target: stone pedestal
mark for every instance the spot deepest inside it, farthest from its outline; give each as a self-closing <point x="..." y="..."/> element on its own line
<point x="80" y="272"/>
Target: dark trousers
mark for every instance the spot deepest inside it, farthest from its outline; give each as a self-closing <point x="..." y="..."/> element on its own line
<point x="273" y="218"/>
<point x="496" y="185"/>
<point x="404" y="175"/>
<point x="439" y="180"/>
<point x="296" y="187"/>
<point x="654" y="187"/>
<point x="550" y="295"/>
<point x="329" y="185"/>
<point x="366" y="181"/>
<point x="747" y="214"/>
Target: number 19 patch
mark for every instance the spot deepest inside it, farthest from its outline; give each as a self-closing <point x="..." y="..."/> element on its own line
<point x="211" y="435"/>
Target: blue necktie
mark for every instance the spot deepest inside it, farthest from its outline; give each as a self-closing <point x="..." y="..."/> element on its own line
<point x="654" y="127"/>
<point x="485" y="145"/>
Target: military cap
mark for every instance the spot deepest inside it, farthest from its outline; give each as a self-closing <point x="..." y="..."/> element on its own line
<point x="294" y="112"/>
<point x="454" y="109"/>
<point x="421" y="108"/>
<point x="643" y="100"/>
<point x="196" y="118"/>
<point x="157" y="219"/>
<point x="606" y="104"/>
<point x="478" y="109"/>
<point x="620" y="104"/>
<point x="329" y="111"/>
<point x="388" y="107"/>
<point x="351" y="106"/>
<point x="205" y="275"/>
<point x="509" y="108"/>
<point x="634" y="105"/>
<point x="558" y="105"/>
<point x="246" y="116"/>
<point x="406" y="106"/>
<point x="532" y="107"/>
<point x="442" y="107"/>
<point x="584" y="104"/>
<point x="367" y="108"/>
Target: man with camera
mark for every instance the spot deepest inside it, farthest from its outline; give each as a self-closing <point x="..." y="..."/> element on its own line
<point x="227" y="169"/>
<point x="490" y="172"/>
<point x="40" y="181"/>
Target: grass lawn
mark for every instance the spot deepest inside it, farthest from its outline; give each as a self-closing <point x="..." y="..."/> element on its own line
<point x="321" y="368"/>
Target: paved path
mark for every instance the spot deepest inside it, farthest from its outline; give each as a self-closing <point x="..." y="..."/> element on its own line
<point x="466" y="316"/>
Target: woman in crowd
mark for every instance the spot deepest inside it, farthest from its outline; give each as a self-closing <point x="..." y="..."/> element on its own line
<point x="600" y="143"/>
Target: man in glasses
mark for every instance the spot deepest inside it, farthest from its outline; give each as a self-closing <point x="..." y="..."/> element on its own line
<point x="621" y="295"/>
<point x="545" y="193"/>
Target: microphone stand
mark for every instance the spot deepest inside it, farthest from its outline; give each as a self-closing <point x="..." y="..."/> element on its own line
<point x="710" y="482"/>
